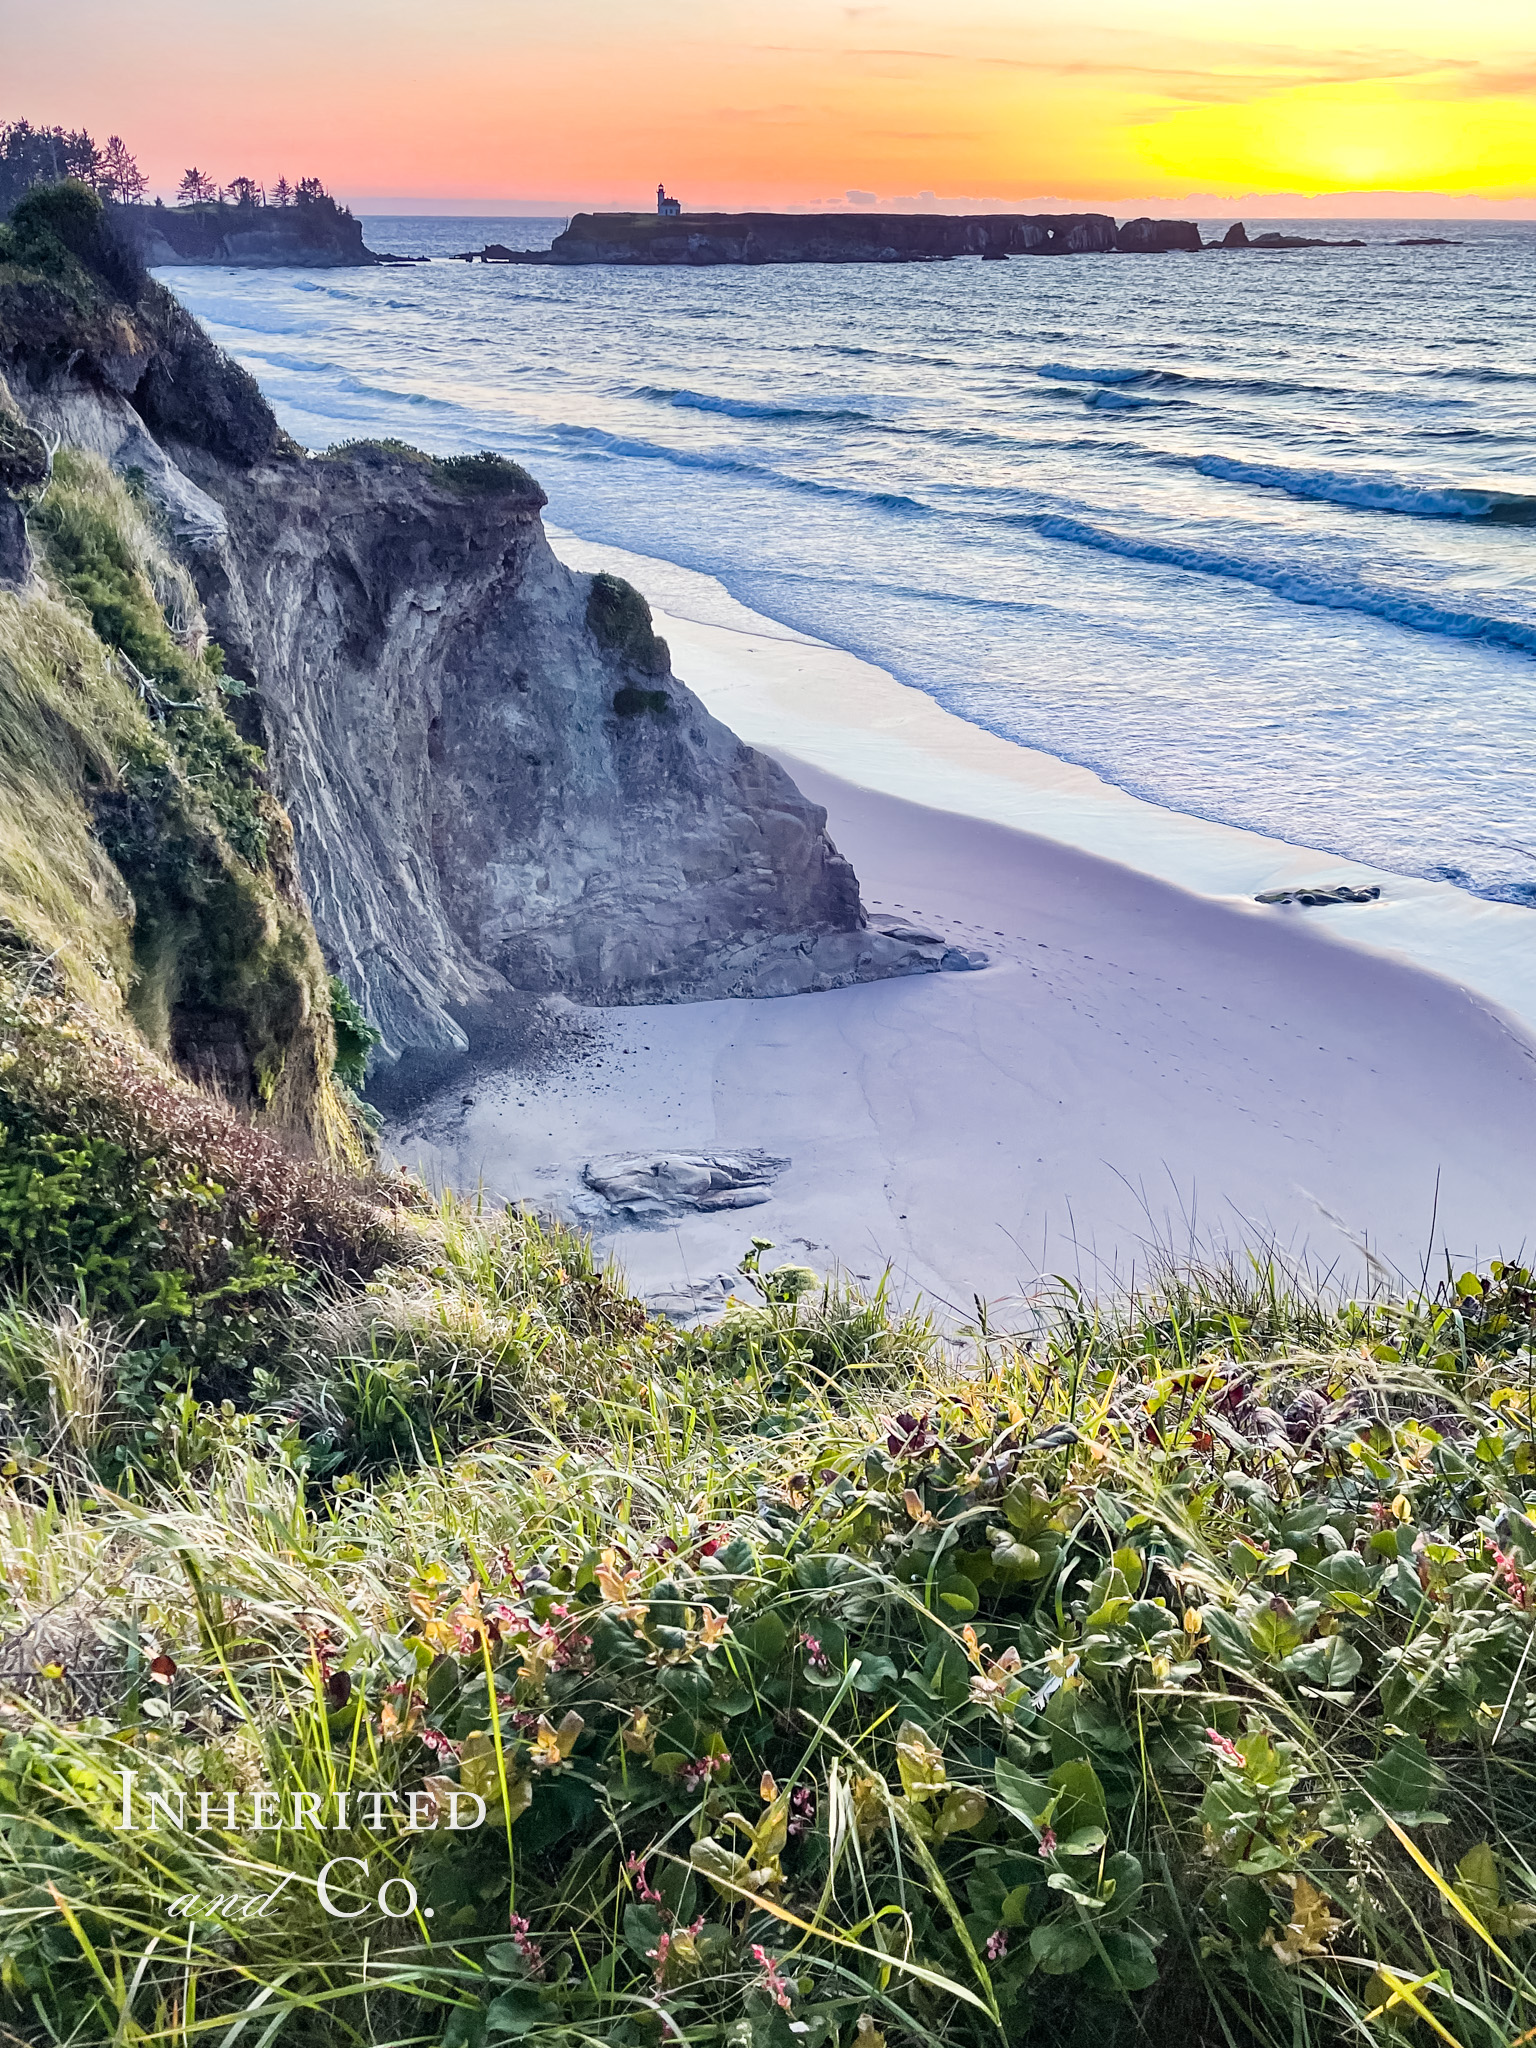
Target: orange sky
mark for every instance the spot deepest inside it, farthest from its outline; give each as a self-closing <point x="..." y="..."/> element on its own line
<point x="800" y="102"/>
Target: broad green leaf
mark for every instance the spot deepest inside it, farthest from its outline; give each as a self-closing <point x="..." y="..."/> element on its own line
<point x="1123" y="1881"/>
<point x="722" y="1866"/>
<point x="1333" y="1662"/>
<point x="517" y="2011"/>
<point x="1274" y="1632"/>
<point x="963" y="1808"/>
<point x="1130" y="1566"/>
<point x="1127" y="1964"/>
<point x="1081" y="1798"/>
<point x="1021" y="1794"/>
<point x="1404" y="1781"/>
<point x="956" y="1598"/>
<point x="1061" y="1946"/>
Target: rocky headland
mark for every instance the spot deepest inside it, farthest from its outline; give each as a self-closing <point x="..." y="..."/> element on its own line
<point x="700" y="238"/>
<point x="318" y="235"/>
<point x="496" y="788"/>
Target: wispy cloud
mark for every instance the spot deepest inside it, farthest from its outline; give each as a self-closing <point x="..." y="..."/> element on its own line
<point x="1217" y="72"/>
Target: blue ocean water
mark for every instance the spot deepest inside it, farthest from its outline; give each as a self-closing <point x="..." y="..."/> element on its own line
<point x="1253" y="536"/>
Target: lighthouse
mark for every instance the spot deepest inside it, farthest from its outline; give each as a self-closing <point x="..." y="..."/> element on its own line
<point x="664" y="205"/>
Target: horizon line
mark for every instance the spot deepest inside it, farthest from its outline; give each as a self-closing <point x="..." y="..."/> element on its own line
<point x="1357" y="205"/>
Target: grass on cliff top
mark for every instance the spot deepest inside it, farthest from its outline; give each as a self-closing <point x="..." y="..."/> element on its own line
<point x="1167" y="1675"/>
<point x="483" y="475"/>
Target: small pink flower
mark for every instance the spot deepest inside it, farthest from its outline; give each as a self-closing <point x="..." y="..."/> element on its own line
<point x="1047" y="1841"/>
<point x="997" y="1946"/>
<point x="527" y="1948"/>
<point x="701" y="1769"/>
<point x="772" y="1982"/>
<point x="635" y="1870"/>
<point x="802" y="1810"/>
<point x="815" y="1655"/>
<point x="1507" y="1573"/>
<point x="1224" y="1747"/>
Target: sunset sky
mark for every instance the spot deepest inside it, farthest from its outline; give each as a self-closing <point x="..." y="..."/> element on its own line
<point x="800" y="102"/>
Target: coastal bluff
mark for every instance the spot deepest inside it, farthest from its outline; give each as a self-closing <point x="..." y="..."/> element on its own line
<point x="705" y="238"/>
<point x="497" y="789"/>
<point x="316" y="236"/>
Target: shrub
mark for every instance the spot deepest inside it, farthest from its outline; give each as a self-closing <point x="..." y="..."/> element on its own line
<point x="619" y="620"/>
<point x="630" y="703"/>
<point x="485" y="475"/>
<point x="153" y="1202"/>
<point x="355" y="1036"/>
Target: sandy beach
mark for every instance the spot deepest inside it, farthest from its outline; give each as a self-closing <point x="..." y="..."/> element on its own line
<point x="1150" y="1061"/>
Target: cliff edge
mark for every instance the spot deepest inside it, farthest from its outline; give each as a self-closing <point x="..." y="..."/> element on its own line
<point x="315" y="234"/>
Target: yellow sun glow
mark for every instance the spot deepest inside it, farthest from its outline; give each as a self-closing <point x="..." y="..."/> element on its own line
<point x="1318" y="139"/>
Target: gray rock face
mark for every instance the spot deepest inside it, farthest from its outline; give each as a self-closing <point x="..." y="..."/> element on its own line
<point x="498" y="788"/>
<point x="499" y="791"/>
<point x="495" y="781"/>
<point x="1311" y="894"/>
<point x="24" y="465"/>
<point x="15" y="554"/>
<point x="656" y="1187"/>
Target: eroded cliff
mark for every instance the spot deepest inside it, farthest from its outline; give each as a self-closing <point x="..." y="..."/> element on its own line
<point x="497" y="787"/>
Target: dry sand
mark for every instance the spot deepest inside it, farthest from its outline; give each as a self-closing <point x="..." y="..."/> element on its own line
<point x="1149" y="1061"/>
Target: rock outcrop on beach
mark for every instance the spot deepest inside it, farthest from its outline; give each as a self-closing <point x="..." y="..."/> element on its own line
<point x="497" y="787"/>
<point x="319" y="235"/>
<point x="705" y="238"/>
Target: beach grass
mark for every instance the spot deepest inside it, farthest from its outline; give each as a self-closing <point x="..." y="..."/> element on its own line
<point x="1164" y="1670"/>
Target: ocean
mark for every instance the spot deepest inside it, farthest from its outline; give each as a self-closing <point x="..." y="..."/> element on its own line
<point x="1250" y="535"/>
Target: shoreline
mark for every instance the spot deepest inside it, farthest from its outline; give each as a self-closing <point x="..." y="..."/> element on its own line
<point x="1150" y="1063"/>
<point x="810" y="703"/>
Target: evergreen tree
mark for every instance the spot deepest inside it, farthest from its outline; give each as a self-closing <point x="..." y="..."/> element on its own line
<point x="119" y="176"/>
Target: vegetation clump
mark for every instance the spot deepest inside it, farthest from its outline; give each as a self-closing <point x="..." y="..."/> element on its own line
<point x="619" y="620"/>
<point x="806" y="1676"/>
<point x="149" y="1203"/>
<point x="484" y="475"/>
<point x="144" y="846"/>
<point x="632" y="703"/>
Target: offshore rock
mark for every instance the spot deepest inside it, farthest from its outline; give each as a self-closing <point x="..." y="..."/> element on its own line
<point x="708" y="238"/>
<point x="1157" y="237"/>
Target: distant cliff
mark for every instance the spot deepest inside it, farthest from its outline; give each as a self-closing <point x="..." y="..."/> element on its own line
<point x="316" y="235"/>
<point x="701" y="238"/>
